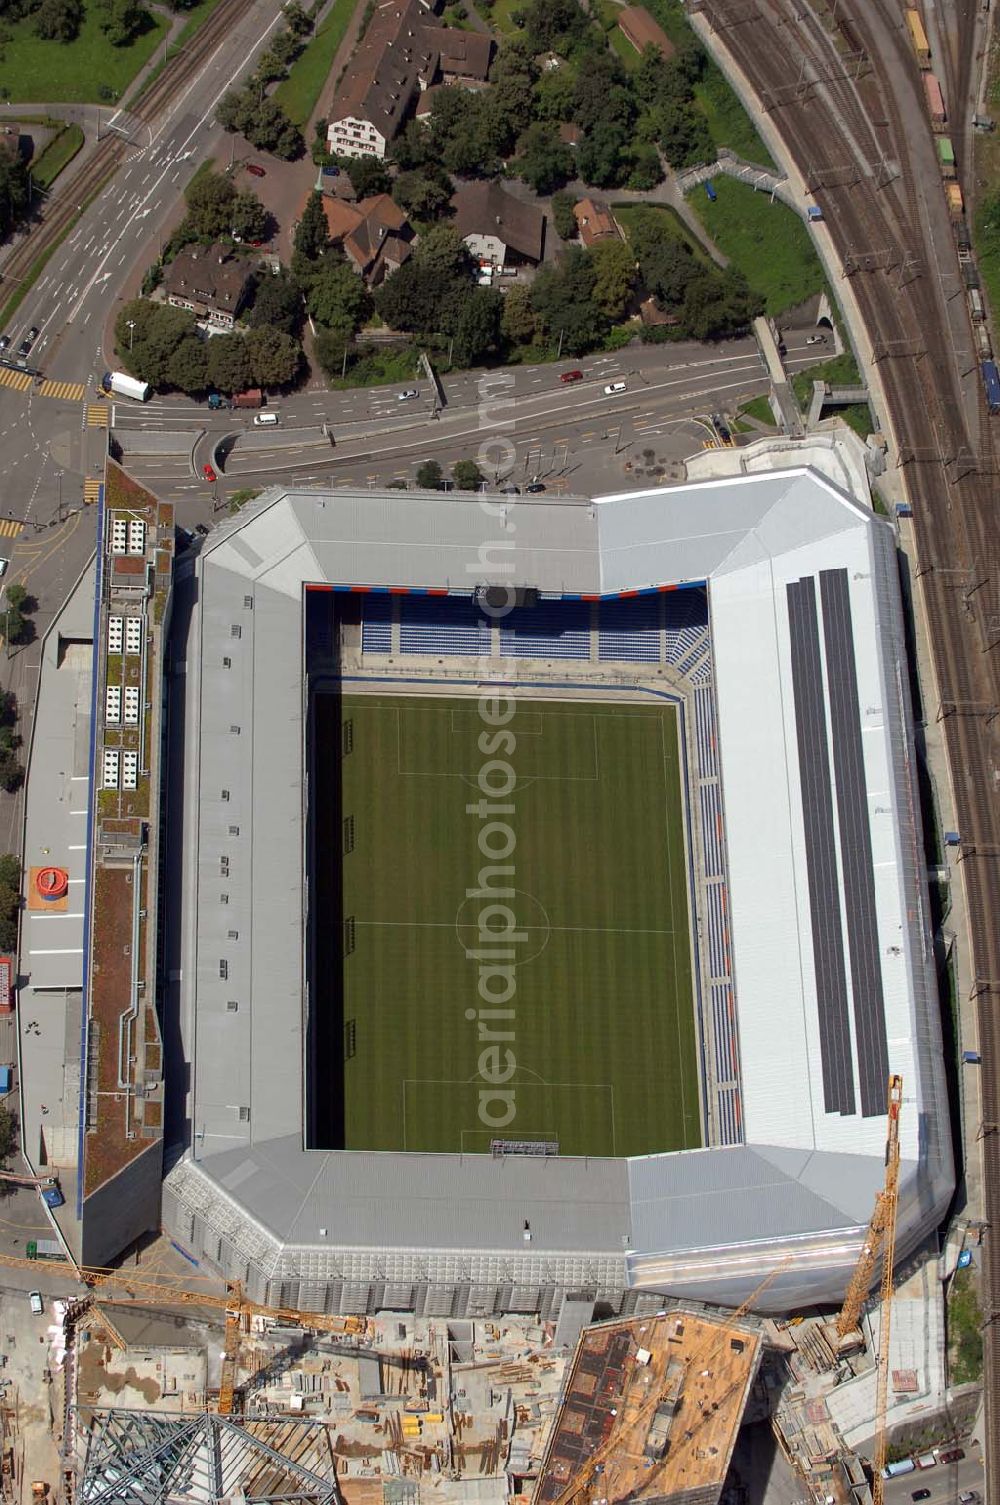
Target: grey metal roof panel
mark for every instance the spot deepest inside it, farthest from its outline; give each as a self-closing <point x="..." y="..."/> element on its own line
<point x="450" y="1201"/>
<point x="696" y="1199"/>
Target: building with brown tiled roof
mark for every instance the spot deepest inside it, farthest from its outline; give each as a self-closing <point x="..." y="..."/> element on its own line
<point x="497" y="227"/>
<point x="463" y="54"/>
<point x="595" y="222"/>
<point x="209" y="281"/>
<point x="635" y="23"/>
<point x="393" y="61"/>
<point x="374" y="234"/>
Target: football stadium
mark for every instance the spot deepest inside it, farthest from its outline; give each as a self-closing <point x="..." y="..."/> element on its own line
<point x="553" y="897"/>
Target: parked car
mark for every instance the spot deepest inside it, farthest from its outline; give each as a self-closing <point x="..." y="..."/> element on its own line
<point x="201" y="529"/>
<point x="4" y="341"/>
<point x="28" y="341"/>
<point x="968" y="1497"/>
<point x="208" y="472"/>
<point x="408" y="395"/>
<point x="613" y="387"/>
<point x="816" y="339"/>
<point x="510" y="491"/>
<point x="4" y="566"/>
<point x="535" y="486"/>
<point x="36" y="1303"/>
<point x="920" y="1494"/>
<point x="953" y="1455"/>
<point x="255" y="169"/>
<point x="571" y="376"/>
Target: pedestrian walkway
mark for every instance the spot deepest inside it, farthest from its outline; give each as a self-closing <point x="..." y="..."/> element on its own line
<point x="66" y="391"/>
<point x="19" y="380"/>
<point x="92" y="490"/>
<point x="97" y="415"/>
<point x="9" y="528"/>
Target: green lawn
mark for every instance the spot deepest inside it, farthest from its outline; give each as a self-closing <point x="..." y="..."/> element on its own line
<point x="767" y="242"/>
<point x="603" y="1031"/>
<point x="298" y="93"/>
<point x="74" y="72"/>
<point x="759" y="408"/>
<point x="59" y="153"/>
<point x="673" y="225"/>
<point x="728" y="122"/>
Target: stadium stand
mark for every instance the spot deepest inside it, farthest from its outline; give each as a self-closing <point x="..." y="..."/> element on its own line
<point x="442" y="624"/>
<point x="376" y="625"/>
<point x="704" y="722"/>
<point x="711" y="829"/>
<point x="550" y="629"/>
<point x="718" y="931"/>
<point x="630" y="631"/>
<point x="686" y="623"/>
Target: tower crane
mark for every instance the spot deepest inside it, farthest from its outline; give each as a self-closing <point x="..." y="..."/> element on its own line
<point x="880" y="1239"/>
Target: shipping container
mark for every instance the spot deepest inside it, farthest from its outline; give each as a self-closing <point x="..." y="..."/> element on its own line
<point x="919" y="38"/>
<point x="946" y="156"/>
<point x="6" y="984"/>
<point x="956" y="204"/>
<point x="935" y="99"/>
<point x="44" y="1248"/>
<point x="253" y="397"/>
<point x="6" y="1079"/>
<point x="976" y="308"/>
<point x="983" y="342"/>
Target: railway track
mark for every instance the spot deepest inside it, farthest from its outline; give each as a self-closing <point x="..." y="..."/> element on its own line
<point x="66" y="203"/>
<point x="954" y="507"/>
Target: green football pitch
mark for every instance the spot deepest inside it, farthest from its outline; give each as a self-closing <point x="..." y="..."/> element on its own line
<point x="601" y="1038"/>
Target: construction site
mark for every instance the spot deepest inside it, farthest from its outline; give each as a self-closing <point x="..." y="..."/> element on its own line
<point x="155" y="1387"/>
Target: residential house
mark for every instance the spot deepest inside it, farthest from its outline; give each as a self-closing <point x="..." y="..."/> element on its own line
<point x="391" y="64"/>
<point x="498" y="229"/>
<point x="210" y="282"/>
<point x="402" y="53"/>
<point x="375" y="235"/>
<point x="637" y="25"/>
<point x="595" y="222"/>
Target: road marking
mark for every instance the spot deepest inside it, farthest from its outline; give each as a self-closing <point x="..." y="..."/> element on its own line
<point x="9" y="528"/>
<point x="19" y="380"/>
<point x="68" y="391"/>
<point x="97" y="415"/>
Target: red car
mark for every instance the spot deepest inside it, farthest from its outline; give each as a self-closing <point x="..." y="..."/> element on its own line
<point x="209" y="473"/>
<point x="571" y="376"/>
<point x="256" y="170"/>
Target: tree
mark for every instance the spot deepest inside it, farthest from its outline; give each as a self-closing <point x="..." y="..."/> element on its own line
<point x="554" y="93"/>
<point x="147" y="347"/>
<point x="430" y="475"/>
<point x="477" y="330"/>
<point x="122" y="21"/>
<point x="298" y="22"/>
<point x="249" y="219"/>
<point x="429" y="291"/>
<point x="544" y="162"/>
<point x="601" y="95"/>
<point x="8" y="1135"/>
<point x="329" y="348"/>
<point x="337" y="296"/>
<point x="275" y="358"/>
<point x="423" y="192"/>
<point x="277" y="301"/>
<point x="187" y="368"/>
<point x="614" y="275"/>
<point x="58" y="20"/>
<point x="602" y="156"/>
<point x="17" y="595"/>
<point x="312" y="233"/>
<point x="368" y="176"/>
<point x="717" y="304"/>
<point x="684" y="136"/>
<point x="467" y="475"/>
<point x="554" y="25"/>
<point x="262" y="121"/>
<point x="414" y="147"/>
<point x="646" y="169"/>
<point x="563" y="300"/>
<point x="562" y="215"/>
<point x="13" y="192"/>
<point x="210" y="198"/>
<point x="228" y="363"/>
<point x="10" y="900"/>
<point x="517" y="322"/>
<point x="11" y="771"/>
<point x="512" y="98"/>
<point x="235" y="110"/>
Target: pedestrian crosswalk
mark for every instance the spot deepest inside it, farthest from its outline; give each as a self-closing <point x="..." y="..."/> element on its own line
<point x="10" y="528"/>
<point x="97" y="415"/>
<point x="67" y="391"/>
<point x="19" y="380"/>
<point x="92" y="490"/>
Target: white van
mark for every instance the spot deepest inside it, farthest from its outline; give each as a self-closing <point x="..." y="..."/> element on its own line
<point x="265" y="420"/>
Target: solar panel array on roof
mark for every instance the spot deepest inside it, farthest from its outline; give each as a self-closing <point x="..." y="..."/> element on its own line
<point x="821" y="856"/>
<point x="855" y="843"/>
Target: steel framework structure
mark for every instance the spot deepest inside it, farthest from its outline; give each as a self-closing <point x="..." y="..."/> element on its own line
<point x="156" y="1458"/>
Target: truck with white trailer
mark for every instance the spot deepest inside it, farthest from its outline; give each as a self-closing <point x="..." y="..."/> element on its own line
<point x="122" y="385"/>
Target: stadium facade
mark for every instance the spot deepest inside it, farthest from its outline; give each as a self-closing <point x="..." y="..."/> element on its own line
<point x="811" y="938"/>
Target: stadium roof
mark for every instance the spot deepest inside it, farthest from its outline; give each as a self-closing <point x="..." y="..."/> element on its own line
<point x="814" y="735"/>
